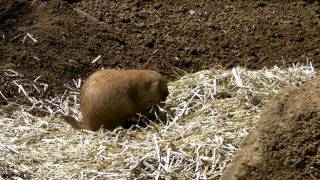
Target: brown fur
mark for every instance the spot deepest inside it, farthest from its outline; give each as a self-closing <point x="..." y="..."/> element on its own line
<point x="109" y="97"/>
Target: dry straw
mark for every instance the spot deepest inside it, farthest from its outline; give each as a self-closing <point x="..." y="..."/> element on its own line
<point x="208" y="113"/>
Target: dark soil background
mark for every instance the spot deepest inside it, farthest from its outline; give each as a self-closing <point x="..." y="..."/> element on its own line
<point x="286" y="142"/>
<point x="172" y="37"/>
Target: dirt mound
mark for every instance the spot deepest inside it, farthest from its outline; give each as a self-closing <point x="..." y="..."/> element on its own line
<point x="58" y="40"/>
<point x="286" y="142"/>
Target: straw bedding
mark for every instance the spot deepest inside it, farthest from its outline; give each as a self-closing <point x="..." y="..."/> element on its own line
<point x="208" y="114"/>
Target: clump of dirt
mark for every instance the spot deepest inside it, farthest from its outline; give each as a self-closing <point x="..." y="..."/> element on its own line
<point x="286" y="141"/>
<point x="59" y="39"/>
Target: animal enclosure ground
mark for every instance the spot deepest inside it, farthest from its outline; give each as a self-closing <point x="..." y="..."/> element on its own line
<point x="46" y="44"/>
<point x="168" y="36"/>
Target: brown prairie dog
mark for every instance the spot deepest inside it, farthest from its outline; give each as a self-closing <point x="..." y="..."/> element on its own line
<point x="109" y="97"/>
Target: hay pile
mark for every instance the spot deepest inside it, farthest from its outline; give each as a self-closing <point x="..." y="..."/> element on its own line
<point x="208" y="113"/>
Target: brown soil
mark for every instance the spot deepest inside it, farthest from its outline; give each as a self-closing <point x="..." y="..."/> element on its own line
<point x="167" y="36"/>
<point x="286" y="142"/>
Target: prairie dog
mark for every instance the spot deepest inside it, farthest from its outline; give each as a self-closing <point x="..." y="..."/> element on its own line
<point x="109" y="97"/>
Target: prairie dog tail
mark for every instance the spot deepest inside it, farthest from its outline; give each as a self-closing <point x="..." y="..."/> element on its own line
<point x="73" y="122"/>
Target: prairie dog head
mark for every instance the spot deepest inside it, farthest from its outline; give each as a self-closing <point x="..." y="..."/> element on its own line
<point x="156" y="90"/>
<point x="159" y="90"/>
